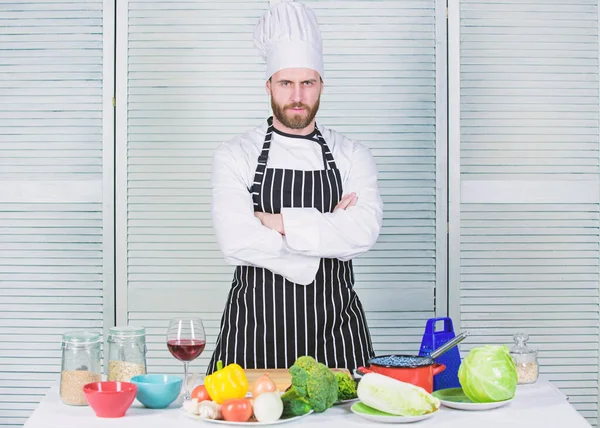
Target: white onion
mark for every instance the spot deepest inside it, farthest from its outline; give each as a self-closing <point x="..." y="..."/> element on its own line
<point x="268" y="407"/>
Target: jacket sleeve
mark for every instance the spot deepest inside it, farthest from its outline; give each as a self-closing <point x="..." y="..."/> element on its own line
<point x="343" y="234"/>
<point x="240" y="235"/>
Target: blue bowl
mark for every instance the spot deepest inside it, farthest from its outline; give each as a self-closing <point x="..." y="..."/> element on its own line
<point x="157" y="391"/>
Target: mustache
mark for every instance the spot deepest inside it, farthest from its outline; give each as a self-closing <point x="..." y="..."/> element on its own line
<point x="297" y="105"/>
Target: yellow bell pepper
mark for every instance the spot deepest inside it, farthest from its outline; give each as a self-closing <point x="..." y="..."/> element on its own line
<point x="226" y="383"/>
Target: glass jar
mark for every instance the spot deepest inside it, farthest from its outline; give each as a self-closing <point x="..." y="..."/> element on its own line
<point x="126" y="353"/>
<point x="525" y="359"/>
<point x="81" y="356"/>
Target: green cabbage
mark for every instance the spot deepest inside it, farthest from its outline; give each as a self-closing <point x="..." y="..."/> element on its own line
<point x="488" y="374"/>
<point x="392" y="396"/>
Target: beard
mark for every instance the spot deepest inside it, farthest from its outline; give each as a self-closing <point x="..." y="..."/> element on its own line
<point x="295" y="121"/>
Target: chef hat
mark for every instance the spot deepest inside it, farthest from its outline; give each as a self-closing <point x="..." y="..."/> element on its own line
<point x="288" y="36"/>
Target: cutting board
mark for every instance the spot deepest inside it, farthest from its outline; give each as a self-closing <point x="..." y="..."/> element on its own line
<point x="281" y="377"/>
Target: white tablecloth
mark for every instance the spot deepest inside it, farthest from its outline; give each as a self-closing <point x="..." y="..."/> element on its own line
<point x="535" y="406"/>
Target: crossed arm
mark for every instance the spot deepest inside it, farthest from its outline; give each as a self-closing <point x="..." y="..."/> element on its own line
<point x="292" y="243"/>
<point x="350" y="230"/>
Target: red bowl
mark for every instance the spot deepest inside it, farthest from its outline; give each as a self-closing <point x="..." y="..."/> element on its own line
<point x="110" y="399"/>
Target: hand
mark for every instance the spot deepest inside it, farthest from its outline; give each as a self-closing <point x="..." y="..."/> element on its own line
<point x="272" y="221"/>
<point x="347" y="201"/>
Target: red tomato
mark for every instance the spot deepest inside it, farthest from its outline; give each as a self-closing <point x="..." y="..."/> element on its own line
<point x="200" y="393"/>
<point x="237" y="410"/>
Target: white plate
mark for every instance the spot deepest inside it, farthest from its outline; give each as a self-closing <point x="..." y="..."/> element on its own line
<point x="474" y="406"/>
<point x="349" y="400"/>
<point x="455" y="398"/>
<point x="388" y="419"/>
<point x="249" y="423"/>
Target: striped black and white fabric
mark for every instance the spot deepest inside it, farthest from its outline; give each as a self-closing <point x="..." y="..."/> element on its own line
<point x="270" y="321"/>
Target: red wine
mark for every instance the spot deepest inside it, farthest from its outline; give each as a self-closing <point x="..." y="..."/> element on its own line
<point x="186" y="349"/>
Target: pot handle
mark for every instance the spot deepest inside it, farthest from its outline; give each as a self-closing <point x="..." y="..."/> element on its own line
<point x="363" y="370"/>
<point x="438" y="368"/>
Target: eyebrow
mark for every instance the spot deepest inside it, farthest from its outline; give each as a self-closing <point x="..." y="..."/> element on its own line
<point x="304" y="81"/>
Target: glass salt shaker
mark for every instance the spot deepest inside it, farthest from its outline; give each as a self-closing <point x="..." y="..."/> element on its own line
<point x="525" y="359"/>
<point x="81" y="356"/>
<point x="126" y="353"/>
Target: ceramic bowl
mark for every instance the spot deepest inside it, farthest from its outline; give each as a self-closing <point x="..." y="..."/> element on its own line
<point x="110" y="399"/>
<point x="157" y="391"/>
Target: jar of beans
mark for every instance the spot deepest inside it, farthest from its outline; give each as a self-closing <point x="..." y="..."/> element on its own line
<point x="525" y="359"/>
<point x="81" y="356"/>
<point x="126" y="353"/>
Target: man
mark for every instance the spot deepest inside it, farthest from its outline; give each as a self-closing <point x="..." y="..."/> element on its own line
<point x="292" y="204"/>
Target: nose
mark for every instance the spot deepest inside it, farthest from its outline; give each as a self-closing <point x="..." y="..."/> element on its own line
<point x="297" y="94"/>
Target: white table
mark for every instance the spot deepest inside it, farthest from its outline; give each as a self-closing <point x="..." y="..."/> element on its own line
<point x="535" y="406"/>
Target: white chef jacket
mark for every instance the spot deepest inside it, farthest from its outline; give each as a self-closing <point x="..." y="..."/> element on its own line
<point x="309" y="234"/>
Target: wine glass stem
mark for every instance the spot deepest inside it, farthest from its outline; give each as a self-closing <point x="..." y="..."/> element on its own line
<point x="186" y="389"/>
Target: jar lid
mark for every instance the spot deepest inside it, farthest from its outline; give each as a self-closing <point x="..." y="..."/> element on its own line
<point x="80" y="339"/>
<point x="126" y="332"/>
<point x="520" y="346"/>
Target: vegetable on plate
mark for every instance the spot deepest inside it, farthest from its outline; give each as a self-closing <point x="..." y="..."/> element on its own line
<point x="268" y="407"/>
<point x="205" y="409"/>
<point x="226" y="383"/>
<point x="395" y="397"/>
<point x="236" y="410"/>
<point x="294" y="404"/>
<point x="209" y="410"/>
<point x="263" y="384"/>
<point x="314" y="386"/>
<point x="200" y="393"/>
<point x="488" y="374"/>
<point x="346" y="386"/>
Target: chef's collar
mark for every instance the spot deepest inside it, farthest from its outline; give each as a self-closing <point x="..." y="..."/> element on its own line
<point x="311" y="136"/>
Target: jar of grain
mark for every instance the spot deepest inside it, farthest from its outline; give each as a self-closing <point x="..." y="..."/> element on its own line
<point x="81" y="355"/>
<point x="126" y="353"/>
<point x="525" y="359"/>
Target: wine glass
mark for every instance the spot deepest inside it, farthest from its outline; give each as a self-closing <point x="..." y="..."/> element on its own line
<point x="186" y="341"/>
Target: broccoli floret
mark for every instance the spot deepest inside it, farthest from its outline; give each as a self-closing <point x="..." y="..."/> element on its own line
<point x="305" y="362"/>
<point x="299" y="379"/>
<point x="294" y="404"/>
<point x="346" y="386"/>
<point x="321" y="388"/>
<point x="314" y="382"/>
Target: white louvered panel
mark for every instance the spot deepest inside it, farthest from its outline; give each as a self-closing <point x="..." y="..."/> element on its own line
<point x="536" y="271"/>
<point x="529" y="90"/>
<point x="194" y="79"/>
<point x="51" y="207"/>
<point x="400" y="331"/>
<point x="51" y="264"/>
<point x="529" y="213"/>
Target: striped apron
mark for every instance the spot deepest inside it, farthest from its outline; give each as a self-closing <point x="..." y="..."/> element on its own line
<point x="270" y="321"/>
